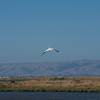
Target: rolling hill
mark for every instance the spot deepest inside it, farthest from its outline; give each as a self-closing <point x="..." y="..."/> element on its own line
<point x="71" y="68"/>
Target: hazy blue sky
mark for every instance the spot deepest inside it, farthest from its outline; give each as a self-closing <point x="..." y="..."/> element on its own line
<point x="29" y="26"/>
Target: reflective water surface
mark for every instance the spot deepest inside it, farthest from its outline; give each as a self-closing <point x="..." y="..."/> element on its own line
<point x="48" y="96"/>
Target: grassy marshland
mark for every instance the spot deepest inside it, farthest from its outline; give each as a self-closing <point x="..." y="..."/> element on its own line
<point x="54" y="84"/>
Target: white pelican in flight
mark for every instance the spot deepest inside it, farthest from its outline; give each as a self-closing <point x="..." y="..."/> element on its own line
<point x="50" y="50"/>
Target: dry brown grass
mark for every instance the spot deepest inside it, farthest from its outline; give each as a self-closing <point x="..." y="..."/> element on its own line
<point x="53" y="84"/>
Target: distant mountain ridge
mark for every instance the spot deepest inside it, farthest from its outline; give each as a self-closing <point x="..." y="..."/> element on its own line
<point x="71" y="68"/>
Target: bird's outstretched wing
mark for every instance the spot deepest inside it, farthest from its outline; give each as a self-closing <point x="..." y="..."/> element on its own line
<point x="43" y="53"/>
<point x="57" y="50"/>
